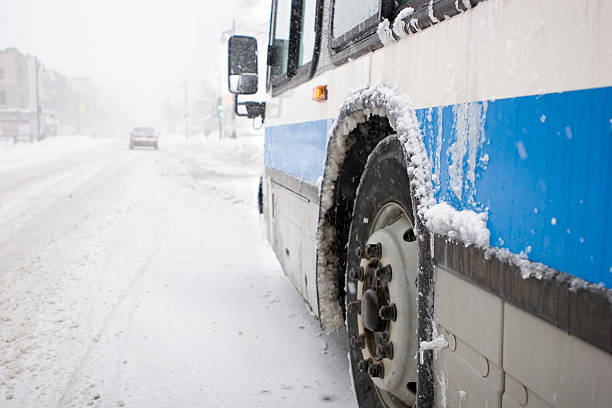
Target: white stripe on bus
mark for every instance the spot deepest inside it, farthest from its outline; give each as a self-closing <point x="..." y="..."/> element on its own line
<point x="500" y="49"/>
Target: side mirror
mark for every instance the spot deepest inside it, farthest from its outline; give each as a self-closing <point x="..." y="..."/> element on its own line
<point x="242" y="75"/>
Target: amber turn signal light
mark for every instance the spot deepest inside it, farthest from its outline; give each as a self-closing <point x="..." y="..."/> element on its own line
<point x="319" y="93"/>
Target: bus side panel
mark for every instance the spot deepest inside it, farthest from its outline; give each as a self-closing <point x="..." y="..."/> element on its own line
<point x="518" y="93"/>
<point x="472" y="324"/>
<point x="541" y="167"/>
<point x="543" y="366"/>
<point x="297" y="149"/>
<point x="559" y="369"/>
<point x="290" y="212"/>
<point x="294" y="157"/>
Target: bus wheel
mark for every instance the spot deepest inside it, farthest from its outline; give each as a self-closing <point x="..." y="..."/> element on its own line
<point x="381" y="293"/>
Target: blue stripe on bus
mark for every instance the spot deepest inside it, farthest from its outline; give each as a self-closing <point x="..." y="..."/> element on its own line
<point x="298" y="149"/>
<point x="547" y="183"/>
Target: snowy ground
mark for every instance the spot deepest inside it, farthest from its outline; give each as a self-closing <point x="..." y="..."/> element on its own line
<point x="141" y="279"/>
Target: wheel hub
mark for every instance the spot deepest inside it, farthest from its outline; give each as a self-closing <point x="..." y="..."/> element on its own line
<point x="387" y="306"/>
<point x="369" y="311"/>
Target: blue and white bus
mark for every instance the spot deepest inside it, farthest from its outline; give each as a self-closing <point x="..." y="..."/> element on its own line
<point x="438" y="181"/>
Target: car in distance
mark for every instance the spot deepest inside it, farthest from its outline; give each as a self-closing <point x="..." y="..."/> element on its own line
<point x="144" y="136"/>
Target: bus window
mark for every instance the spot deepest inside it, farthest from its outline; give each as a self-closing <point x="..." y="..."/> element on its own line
<point x="281" y="38"/>
<point x="294" y="37"/>
<point x="349" y="14"/>
<point x="307" y="37"/>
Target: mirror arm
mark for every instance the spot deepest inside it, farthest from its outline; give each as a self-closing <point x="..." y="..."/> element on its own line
<point x="254" y="109"/>
<point x="236" y="103"/>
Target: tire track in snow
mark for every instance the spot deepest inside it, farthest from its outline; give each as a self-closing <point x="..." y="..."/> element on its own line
<point x="76" y="375"/>
<point x="50" y="211"/>
<point x="14" y="179"/>
<point x="28" y="288"/>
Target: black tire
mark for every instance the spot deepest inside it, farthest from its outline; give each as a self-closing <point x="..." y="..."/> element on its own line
<point x="260" y="196"/>
<point x="384" y="180"/>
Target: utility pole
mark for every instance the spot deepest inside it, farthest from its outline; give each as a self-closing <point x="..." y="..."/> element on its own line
<point x="219" y="113"/>
<point x="186" y="112"/>
<point x="224" y="37"/>
<point x="38" y="109"/>
<point x="233" y="113"/>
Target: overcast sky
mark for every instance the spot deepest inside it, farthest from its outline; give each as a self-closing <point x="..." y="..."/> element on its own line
<point x="138" y="50"/>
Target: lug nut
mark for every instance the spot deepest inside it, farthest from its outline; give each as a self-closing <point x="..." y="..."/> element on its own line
<point x="385" y="350"/>
<point x="409" y="235"/>
<point x="383" y="273"/>
<point x="376" y="370"/>
<point x="359" y="252"/>
<point x="371" y="268"/>
<point x="358" y="341"/>
<point x="388" y="312"/>
<point x="356" y="274"/>
<point x="354" y="306"/>
<point x="363" y="365"/>
<point x="373" y="251"/>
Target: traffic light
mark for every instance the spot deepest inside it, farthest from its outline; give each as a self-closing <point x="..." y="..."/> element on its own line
<point x="219" y="107"/>
<point x="186" y="118"/>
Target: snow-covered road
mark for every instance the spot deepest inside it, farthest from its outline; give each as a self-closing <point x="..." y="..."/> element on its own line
<point x="141" y="279"/>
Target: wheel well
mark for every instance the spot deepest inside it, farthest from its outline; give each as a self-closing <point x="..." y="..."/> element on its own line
<point x="363" y="139"/>
<point x="365" y="118"/>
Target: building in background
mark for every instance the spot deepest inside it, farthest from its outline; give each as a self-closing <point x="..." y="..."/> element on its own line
<point x="57" y="102"/>
<point x="17" y="95"/>
<point x="37" y="102"/>
<point x="87" y="105"/>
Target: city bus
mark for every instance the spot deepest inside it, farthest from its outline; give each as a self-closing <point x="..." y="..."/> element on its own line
<point x="438" y="182"/>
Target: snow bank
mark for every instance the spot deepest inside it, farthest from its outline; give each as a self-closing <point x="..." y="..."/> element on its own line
<point x="21" y="155"/>
<point x="229" y="168"/>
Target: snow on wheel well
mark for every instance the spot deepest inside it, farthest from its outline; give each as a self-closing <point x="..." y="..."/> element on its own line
<point x="366" y="117"/>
